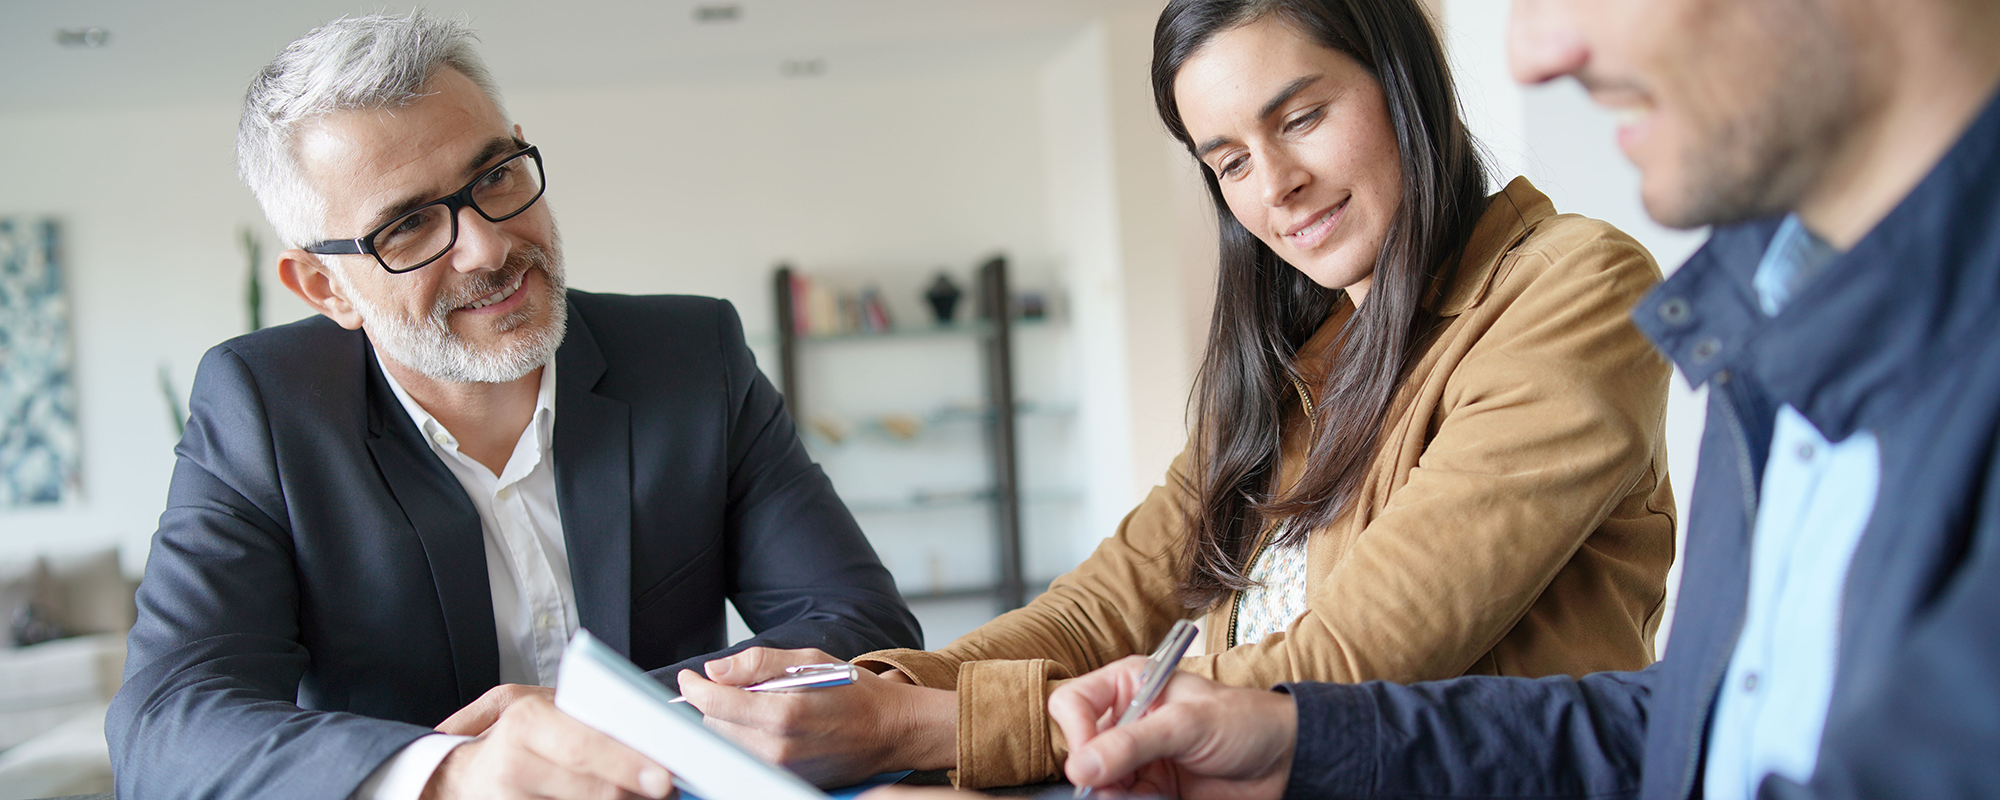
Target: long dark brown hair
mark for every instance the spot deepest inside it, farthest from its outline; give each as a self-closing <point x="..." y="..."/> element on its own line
<point x="1265" y="309"/>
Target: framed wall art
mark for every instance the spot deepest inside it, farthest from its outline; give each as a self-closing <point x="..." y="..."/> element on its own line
<point x="40" y="445"/>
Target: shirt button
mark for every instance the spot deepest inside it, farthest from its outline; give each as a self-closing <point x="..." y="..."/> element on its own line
<point x="1806" y="452"/>
<point x="443" y="439"/>
<point x="505" y="493"/>
<point x="1750" y="681"/>
<point x="541" y="620"/>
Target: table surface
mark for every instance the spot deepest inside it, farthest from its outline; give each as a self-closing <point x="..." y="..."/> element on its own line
<point x="926" y="778"/>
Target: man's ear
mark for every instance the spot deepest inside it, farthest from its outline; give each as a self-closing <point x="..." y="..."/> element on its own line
<point x="310" y="279"/>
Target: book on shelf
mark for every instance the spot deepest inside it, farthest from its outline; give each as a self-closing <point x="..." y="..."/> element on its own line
<point x="819" y="309"/>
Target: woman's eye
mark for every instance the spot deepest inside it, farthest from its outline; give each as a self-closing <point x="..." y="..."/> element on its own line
<point x="1231" y="166"/>
<point x="1304" y="121"/>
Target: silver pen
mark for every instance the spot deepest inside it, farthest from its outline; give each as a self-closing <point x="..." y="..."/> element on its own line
<point x="804" y="676"/>
<point x="1160" y="667"/>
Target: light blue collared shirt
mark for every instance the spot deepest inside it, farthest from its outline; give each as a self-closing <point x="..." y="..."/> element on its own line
<point x="1816" y="500"/>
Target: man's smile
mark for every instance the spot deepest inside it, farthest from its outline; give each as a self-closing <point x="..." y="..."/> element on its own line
<point x="504" y="294"/>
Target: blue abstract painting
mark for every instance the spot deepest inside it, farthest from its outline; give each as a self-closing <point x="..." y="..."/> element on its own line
<point x="39" y="442"/>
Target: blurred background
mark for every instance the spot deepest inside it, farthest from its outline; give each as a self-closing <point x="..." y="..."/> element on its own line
<point x="869" y="146"/>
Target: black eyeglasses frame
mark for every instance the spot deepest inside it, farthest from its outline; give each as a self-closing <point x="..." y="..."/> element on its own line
<point x="365" y="245"/>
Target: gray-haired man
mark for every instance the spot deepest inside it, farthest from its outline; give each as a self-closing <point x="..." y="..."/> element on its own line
<point x="392" y="516"/>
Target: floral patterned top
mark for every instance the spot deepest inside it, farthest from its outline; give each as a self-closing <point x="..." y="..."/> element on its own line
<point x="1279" y="596"/>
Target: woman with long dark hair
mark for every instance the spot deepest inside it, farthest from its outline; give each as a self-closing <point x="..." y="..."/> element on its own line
<point x="1427" y="439"/>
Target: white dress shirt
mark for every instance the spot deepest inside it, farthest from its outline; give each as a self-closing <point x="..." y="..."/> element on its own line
<point x="527" y="568"/>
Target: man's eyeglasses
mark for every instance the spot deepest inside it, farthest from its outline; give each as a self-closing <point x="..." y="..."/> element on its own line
<point x="422" y="236"/>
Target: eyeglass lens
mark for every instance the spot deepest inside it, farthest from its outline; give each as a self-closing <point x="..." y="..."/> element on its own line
<point x="426" y="233"/>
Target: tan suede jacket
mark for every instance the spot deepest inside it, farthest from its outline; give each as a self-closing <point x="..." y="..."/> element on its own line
<point x="1517" y="521"/>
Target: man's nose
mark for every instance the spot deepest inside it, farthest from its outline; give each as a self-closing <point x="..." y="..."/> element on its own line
<point x="1543" y="41"/>
<point x="481" y="244"/>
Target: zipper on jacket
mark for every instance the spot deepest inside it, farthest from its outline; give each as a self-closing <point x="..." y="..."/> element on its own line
<point x="1264" y="540"/>
<point x="1236" y="603"/>
<point x="1733" y="422"/>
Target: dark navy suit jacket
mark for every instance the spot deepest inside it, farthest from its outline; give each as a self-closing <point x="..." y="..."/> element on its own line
<point x="1901" y="337"/>
<point x="316" y="595"/>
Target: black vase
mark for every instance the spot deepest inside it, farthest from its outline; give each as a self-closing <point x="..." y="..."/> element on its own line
<point x="943" y="296"/>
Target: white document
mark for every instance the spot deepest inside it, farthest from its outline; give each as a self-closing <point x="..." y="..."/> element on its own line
<point x="600" y="688"/>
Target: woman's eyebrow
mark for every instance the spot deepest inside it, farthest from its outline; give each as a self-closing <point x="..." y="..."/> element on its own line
<point x="1271" y="106"/>
<point x="1284" y="95"/>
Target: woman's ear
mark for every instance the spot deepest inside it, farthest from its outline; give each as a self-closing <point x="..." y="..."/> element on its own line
<point x="311" y="279"/>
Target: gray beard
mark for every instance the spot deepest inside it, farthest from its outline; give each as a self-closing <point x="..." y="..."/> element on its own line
<point x="429" y="346"/>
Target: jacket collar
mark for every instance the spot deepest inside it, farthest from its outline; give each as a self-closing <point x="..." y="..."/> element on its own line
<point x="1877" y="324"/>
<point x="1509" y="215"/>
<point x="592" y="448"/>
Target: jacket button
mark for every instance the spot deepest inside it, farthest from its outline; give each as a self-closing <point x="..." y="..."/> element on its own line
<point x="1706" y="349"/>
<point x="1674" y="311"/>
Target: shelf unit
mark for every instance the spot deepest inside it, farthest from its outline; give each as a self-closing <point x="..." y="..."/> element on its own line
<point x="992" y="327"/>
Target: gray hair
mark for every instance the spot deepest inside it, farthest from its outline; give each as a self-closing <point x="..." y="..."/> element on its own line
<point x="345" y="65"/>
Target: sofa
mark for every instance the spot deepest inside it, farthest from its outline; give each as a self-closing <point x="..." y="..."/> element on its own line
<point x="62" y="652"/>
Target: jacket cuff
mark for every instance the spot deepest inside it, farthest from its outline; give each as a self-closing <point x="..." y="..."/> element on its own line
<point x="1334" y="754"/>
<point x="1003" y="724"/>
<point x="925" y="668"/>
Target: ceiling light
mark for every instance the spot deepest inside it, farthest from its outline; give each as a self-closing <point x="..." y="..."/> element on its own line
<point x="720" y="12"/>
<point x="82" y="37"/>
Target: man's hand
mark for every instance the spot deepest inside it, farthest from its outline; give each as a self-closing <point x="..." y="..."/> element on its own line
<point x="474" y="719"/>
<point x="1203" y="741"/>
<point x="832" y="737"/>
<point x="528" y="749"/>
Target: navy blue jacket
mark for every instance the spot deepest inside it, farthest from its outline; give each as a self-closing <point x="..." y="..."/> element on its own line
<point x="316" y="595"/>
<point x="1900" y="336"/>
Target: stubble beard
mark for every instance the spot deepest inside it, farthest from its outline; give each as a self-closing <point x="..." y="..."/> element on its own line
<point x="428" y="344"/>
<point x="1764" y="157"/>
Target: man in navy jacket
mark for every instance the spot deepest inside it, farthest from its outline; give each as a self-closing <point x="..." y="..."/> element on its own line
<point x="381" y="514"/>
<point x="1838" y="628"/>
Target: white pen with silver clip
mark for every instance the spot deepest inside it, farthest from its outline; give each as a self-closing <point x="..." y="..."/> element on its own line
<point x="804" y="676"/>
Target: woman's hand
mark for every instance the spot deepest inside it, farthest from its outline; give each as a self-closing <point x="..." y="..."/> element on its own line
<point x="832" y="737"/>
<point x="1203" y="741"/>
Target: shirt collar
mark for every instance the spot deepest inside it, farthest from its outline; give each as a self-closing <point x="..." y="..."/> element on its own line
<point x="545" y="409"/>
<point x="1795" y="257"/>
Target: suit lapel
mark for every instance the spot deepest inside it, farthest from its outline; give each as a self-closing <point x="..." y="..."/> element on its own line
<point x="448" y="526"/>
<point x="593" y="468"/>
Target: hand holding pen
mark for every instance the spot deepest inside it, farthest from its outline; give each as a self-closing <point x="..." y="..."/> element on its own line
<point x="802" y="676"/>
<point x="1159" y="668"/>
<point x="1200" y="740"/>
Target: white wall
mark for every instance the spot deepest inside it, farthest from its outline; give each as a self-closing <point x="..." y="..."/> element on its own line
<point x="149" y="207"/>
<point x="1138" y="270"/>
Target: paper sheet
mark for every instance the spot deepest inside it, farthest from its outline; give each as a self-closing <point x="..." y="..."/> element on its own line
<point x="600" y="688"/>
